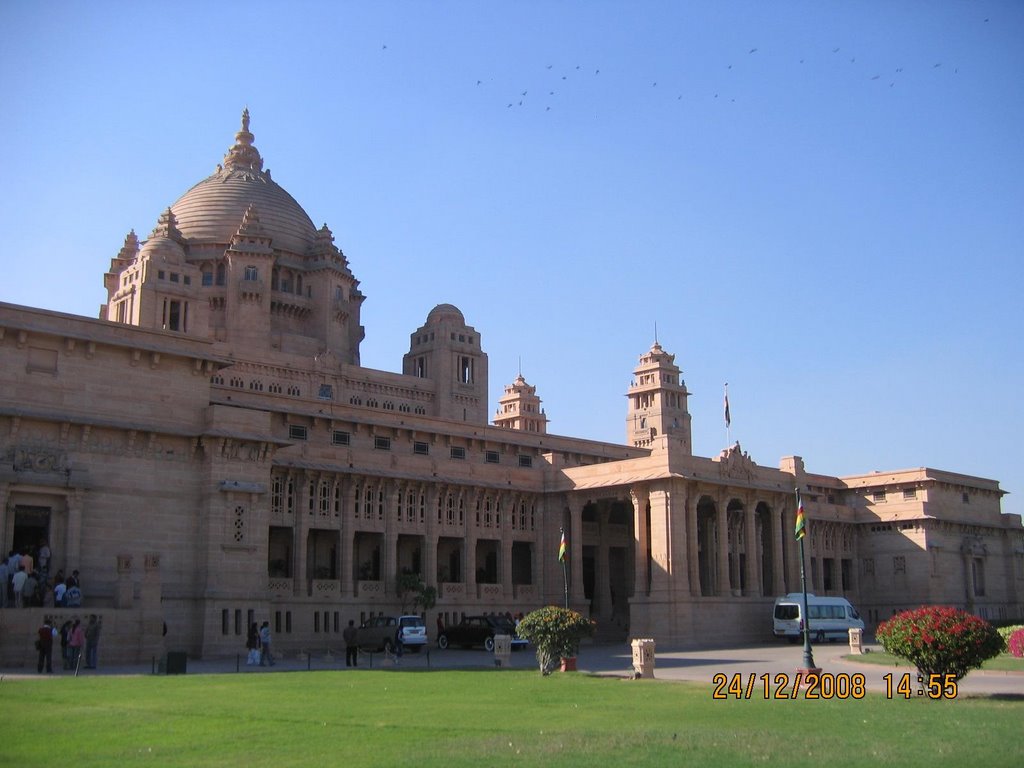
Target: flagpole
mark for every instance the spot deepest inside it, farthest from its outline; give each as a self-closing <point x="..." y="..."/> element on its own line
<point x="801" y="534"/>
<point x="563" y="556"/>
<point x="728" y="418"/>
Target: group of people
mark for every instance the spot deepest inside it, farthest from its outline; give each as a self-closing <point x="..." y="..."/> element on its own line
<point x="25" y="581"/>
<point x="76" y="641"/>
<point x="258" y="644"/>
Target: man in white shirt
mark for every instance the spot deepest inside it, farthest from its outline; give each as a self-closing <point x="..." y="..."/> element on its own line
<point x="18" y="582"/>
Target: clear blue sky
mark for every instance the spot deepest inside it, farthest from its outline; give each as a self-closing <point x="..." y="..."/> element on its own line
<point x="818" y="202"/>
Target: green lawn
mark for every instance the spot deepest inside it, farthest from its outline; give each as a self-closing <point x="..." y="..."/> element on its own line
<point x="478" y="718"/>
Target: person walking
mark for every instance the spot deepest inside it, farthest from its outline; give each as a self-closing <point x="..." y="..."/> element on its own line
<point x="76" y="642"/>
<point x="44" y="644"/>
<point x="252" y="644"/>
<point x="65" y="648"/>
<point x="266" y="657"/>
<point x="351" y="649"/>
<point x="92" y="641"/>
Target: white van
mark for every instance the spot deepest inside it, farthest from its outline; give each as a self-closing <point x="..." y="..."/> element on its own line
<point x="831" y="618"/>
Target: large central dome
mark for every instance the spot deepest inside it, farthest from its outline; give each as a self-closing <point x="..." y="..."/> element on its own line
<point x="211" y="212"/>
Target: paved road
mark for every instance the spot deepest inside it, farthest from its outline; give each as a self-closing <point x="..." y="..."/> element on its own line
<point x="614" y="660"/>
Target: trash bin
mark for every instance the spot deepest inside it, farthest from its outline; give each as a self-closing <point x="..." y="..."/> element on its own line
<point x="502" y="650"/>
<point x="643" y="657"/>
<point x="856" y="640"/>
<point x="177" y="663"/>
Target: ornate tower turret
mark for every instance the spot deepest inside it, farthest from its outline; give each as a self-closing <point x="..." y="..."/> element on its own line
<point x="519" y="408"/>
<point x="657" y="401"/>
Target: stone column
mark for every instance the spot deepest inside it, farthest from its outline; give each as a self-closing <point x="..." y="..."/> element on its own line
<point x="662" y="572"/>
<point x="470" y="535"/>
<point x="389" y="557"/>
<point x="735" y="521"/>
<point x="641" y="584"/>
<point x="348" y="519"/>
<point x="722" y="551"/>
<point x="752" y="571"/>
<point x="576" y="594"/>
<point x="692" y="553"/>
<point x="73" y="544"/>
<point x="7" y="521"/>
<point x="792" y="552"/>
<point x="776" y="534"/>
<point x="300" y="580"/>
<point x="602" y="576"/>
<point x="505" y="567"/>
<point x="430" y="539"/>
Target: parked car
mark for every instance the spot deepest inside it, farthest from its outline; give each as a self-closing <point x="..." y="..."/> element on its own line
<point x="478" y="630"/>
<point x="379" y="633"/>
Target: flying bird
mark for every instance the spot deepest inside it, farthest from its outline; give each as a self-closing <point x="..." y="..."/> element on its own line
<point x="753" y="50"/>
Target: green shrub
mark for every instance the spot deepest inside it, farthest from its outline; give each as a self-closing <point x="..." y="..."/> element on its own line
<point x="555" y="633"/>
<point x="940" y="640"/>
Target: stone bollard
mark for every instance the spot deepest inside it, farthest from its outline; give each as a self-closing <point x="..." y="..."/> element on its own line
<point x="643" y="658"/>
<point x="502" y="650"/>
<point x="856" y="641"/>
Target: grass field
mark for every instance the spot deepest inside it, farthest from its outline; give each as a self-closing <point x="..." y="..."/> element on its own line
<point x="474" y="718"/>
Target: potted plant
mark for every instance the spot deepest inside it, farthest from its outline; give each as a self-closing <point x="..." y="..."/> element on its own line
<point x="555" y="633"/>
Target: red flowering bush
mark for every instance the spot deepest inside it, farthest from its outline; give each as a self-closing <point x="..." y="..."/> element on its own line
<point x="555" y="633"/>
<point x="940" y="640"/>
<point x="1016" y="644"/>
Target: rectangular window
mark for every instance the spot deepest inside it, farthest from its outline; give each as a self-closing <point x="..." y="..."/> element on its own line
<point x="420" y="449"/>
<point x="899" y="564"/>
<point x="382" y="443"/>
<point x="160" y="274"/>
<point x="878" y="496"/>
<point x="207" y="278"/>
<point x="909" y="494"/>
<point x="458" y="452"/>
<point x="978" y="572"/>
<point x="326" y="392"/>
<point x="297" y="432"/>
<point x="174" y="277"/>
<point x="966" y="498"/>
<point x="525" y="461"/>
<point x="491" y="457"/>
<point x="338" y="437"/>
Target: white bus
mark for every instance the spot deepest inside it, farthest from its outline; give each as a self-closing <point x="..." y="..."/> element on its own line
<point x="831" y="618"/>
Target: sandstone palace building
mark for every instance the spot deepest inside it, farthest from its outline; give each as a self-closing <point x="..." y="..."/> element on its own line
<point x="210" y="452"/>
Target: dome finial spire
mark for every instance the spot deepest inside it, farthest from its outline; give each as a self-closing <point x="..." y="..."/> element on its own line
<point x="243" y="155"/>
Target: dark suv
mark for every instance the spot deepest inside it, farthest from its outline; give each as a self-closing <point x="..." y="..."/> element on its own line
<point x="478" y="630"/>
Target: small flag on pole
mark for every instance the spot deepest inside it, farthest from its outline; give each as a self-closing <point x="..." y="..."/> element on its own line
<point x="801" y="521"/>
<point x="563" y="548"/>
<point x="728" y="420"/>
